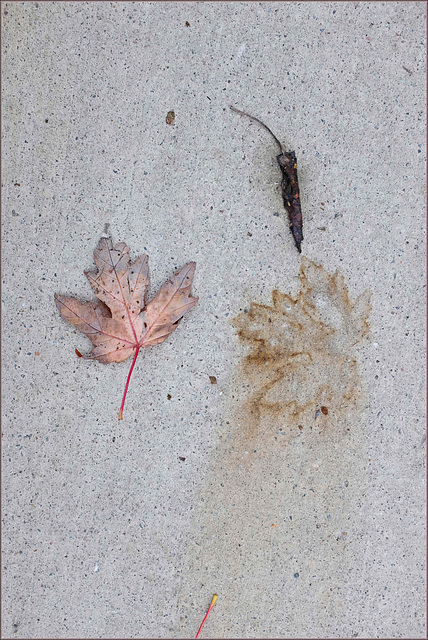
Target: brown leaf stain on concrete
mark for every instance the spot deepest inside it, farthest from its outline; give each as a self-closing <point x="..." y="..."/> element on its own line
<point x="300" y="360"/>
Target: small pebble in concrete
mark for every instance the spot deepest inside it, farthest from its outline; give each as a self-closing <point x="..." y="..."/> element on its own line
<point x="170" y="117"/>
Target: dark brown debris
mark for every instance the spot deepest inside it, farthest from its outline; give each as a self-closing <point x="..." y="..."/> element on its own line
<point x="289" y="186"/>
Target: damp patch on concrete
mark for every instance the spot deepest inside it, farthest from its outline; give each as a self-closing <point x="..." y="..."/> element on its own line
<point x="283" y="500"/>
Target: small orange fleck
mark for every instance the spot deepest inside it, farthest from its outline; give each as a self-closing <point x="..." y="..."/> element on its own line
<point x="273" y="525"/>
<point x="78" y="354"/>
<point x="37" y="353"/>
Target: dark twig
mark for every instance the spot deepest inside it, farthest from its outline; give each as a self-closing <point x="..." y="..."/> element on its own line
<point x="289" y="186"/>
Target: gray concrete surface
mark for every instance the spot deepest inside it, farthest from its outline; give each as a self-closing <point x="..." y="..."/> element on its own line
<point x="106" y="532"/>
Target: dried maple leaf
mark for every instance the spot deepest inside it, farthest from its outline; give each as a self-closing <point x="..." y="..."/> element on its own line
<point x="119" y="323"/>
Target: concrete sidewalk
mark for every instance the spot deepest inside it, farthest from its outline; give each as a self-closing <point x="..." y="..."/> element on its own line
<point x="305" y="523"/>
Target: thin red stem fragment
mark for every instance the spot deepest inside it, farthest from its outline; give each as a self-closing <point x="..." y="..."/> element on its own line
<point x="120" y="417"/>
<point x="213" y="601"/>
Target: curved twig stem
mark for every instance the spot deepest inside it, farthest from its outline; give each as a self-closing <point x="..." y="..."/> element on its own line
<point x="244" y="113"/>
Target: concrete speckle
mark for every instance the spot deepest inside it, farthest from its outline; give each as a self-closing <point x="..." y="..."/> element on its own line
<point x="153" y="502"/>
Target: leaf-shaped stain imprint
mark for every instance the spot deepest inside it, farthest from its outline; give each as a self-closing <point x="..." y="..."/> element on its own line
<point x="300" y="371"/>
